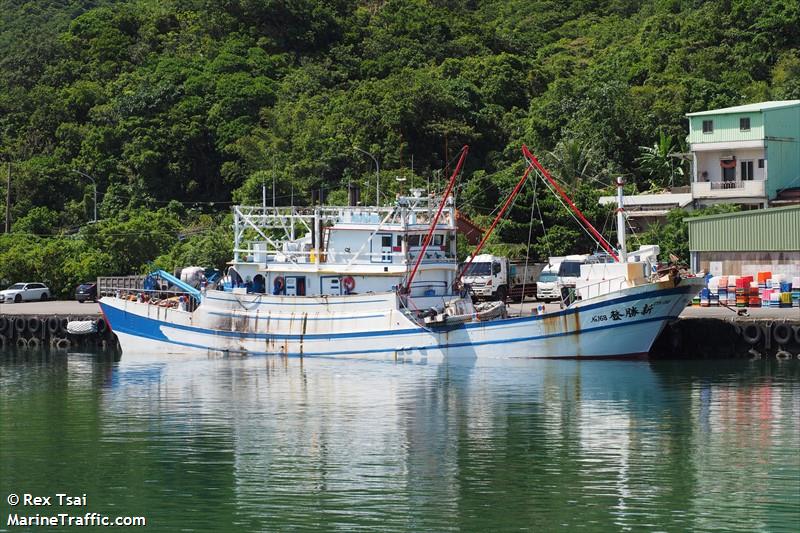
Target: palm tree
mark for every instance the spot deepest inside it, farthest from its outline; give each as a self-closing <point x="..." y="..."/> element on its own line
<point x="658" y="161"/>
<point x="574" y="161"/>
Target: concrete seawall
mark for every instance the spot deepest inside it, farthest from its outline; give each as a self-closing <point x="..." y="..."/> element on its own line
<point x="44" y="324"/>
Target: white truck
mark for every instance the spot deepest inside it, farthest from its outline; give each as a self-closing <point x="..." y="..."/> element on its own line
<point x="492" y="277"/>
<point x="547" y="288"/>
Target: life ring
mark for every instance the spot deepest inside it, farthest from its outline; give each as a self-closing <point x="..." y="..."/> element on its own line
<point x="782" y="333"/>
<point x="278" y="285"/>
<point x="349" y="284"/>
<point x="751" y="333"/>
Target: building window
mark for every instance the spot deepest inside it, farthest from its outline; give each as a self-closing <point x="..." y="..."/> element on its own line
<point x="744" y="124"/>
<point x="746" y="168"/>
<point x="708" y="126"/>
<point x="760" y="163"/>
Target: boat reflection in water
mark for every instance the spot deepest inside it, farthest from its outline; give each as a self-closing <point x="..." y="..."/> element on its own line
<point x="475" y="444"/>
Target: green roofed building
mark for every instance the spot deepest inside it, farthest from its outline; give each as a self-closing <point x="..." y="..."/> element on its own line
<point x="747" y="242"/>
<point x="746" y="155"/>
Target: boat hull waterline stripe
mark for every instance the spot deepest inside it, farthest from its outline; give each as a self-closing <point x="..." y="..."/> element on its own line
<point x="431" y="347"/>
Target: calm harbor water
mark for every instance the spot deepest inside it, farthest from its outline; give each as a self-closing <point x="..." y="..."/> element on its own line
<point x="267" y="443"/>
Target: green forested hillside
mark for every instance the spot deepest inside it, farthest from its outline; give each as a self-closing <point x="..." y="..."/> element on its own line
<point x="179" y="108"/>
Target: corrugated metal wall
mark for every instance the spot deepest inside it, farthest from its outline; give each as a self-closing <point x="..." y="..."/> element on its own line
<point x="776" y="229"/>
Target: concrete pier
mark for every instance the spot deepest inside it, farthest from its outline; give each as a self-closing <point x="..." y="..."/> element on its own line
<point x="41" y="324"/>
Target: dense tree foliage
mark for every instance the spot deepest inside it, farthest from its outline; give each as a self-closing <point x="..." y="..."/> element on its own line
<point x="202" y="102"/>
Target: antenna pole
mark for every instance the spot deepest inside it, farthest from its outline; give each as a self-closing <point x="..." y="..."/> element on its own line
<point x="623" y="251"/>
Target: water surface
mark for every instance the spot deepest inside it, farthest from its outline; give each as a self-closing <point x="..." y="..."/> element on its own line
<point x="267" y="443"/>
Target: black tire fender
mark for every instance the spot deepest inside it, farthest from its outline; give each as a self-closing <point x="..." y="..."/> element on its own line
<point x="22" y="342"/>
<point x="33" y="342"/>
<point x="796" y="334"/>
<point x="34" y="324"/>
<point x="53" y="325"/>
<point x="102" y="326"/>
<point x="782" y="333"/>
<point x="751" y="333"/>
<point x="20" y="324"/>
<point x="3" y="324"/>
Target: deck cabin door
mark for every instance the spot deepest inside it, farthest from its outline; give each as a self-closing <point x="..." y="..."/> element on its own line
<point x="381" y="248"/>
<point x="331" y="285"/>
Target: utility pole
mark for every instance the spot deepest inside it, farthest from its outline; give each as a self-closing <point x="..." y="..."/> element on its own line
<point x="377" y="176"/>
<point x="8" y="200"/>
<point x="94" y="184"/>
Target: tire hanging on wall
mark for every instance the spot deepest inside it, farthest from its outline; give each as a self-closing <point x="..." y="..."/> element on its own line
<point x="782" y="333"/>
<point x="53" y="325"/>
<point x="751" y="333"/>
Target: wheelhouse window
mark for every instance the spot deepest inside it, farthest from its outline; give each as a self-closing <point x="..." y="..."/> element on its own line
<point x="744" y="124"/>
<point x="746" y="168"/>
<point x="708" y="126"/>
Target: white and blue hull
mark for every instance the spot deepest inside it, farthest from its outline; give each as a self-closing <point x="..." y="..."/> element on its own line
<point x="622" y="323"/>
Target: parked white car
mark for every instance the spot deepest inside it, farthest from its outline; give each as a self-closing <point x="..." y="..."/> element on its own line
<point x="20" y="292"/>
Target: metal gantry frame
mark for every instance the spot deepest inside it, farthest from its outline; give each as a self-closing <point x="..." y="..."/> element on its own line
<point x="413" y="213"/>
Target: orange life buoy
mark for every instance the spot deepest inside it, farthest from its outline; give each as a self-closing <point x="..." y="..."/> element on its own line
<point x="277" y="285"/>
<point x="349" y="284"/>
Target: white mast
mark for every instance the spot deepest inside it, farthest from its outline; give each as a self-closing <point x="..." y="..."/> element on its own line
<point x="623" y="252"/>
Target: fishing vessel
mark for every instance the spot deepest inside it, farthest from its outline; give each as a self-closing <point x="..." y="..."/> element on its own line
<point x="384" y="282"/>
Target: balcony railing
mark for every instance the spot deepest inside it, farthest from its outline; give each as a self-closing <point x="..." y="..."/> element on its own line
<point x="729" y="189"/>
<point x="724" y="185"/>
